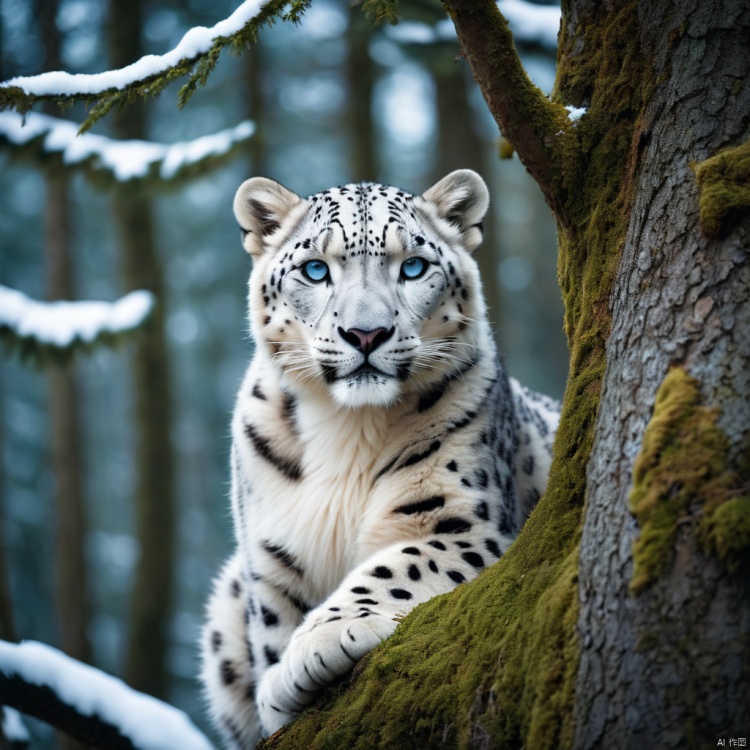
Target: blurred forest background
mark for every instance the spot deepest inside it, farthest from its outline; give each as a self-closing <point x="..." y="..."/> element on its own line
<point x="113" y="481"/>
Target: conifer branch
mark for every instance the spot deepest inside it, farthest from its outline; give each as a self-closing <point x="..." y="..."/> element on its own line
<point x="195" y="56"/>
<point x="53" y="332"/>
<point x="54" y="141"/>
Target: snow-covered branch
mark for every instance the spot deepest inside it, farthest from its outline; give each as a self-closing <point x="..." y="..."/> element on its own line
<point x="121" y="161"/>
<point x="55" y="329"/>
<point x="100" y="710"/>
<point x="529" y="23"/>
<point x="196" y="55"/>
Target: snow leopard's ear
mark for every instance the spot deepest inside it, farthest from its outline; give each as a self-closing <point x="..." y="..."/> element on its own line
<point x="260" y="206"/>
<point x="462" y="199"/>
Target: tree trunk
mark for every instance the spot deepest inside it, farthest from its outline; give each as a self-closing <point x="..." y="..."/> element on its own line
<point x="71" y="585"/>
<point x="154" y="495"/>
<point x="664" y="626"/>
<point x="620" y="616"/>
<point x="460" y="147"/>
<point x="73" y="606"/>
<point x="361" y="76"/>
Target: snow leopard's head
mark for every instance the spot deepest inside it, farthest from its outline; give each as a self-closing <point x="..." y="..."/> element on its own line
<point x="365" y="292"/>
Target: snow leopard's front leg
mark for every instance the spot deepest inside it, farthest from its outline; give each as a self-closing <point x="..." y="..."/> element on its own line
<point x="361" y="613"/>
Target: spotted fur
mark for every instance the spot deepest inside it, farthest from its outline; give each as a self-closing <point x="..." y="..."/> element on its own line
<point x="381" y="454"/>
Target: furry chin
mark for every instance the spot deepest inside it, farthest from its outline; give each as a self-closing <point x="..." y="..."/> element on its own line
<point x="356" y="393"/>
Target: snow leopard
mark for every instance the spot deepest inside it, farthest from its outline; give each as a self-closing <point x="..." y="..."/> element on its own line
<point x="381" y="454"/>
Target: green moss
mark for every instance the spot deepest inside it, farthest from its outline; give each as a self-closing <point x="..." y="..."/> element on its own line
<point x="682" y="475"/>
<point x="724" y="182"/>
<point x="500" y="655"/>
<point x="499" y="652"/>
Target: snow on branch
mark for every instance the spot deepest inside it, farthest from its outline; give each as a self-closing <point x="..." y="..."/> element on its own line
<point x="100" y="710"/>
<point x="529" y="23"/>
<point x="121" y="161"/>
<point x="196" y="55"/>
<point x="54" y="330"/>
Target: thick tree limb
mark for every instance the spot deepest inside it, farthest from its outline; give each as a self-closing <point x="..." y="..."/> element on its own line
<point x="100" y="710"/>
<point x="41" y="702"/>
<point x="534" y="126"/>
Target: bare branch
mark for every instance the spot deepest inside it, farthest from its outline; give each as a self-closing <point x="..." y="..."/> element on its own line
<point x="530" y="122"/>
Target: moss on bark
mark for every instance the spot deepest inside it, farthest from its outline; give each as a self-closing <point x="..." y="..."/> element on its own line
<point x="497" y="658"/>
<point x="683" y="475"/>
<point x="724" y="182"/>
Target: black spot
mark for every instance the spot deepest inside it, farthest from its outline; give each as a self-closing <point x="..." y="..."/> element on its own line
<point x="285" y="558"/>
<point x="289" y="468"/>
<point x="365" y="601"/>
<point x="452" y="466"/>
<point x="235" y="588"/>
<point x="473" y="559"/>
<point x="452" y="526"/>
<point x="415" y="458"/>
<point x="429" y="399"/>
<point x="432" y="566"/>
<point x="216" y="641"/>
<point x="528" y="465"/>
<point x="411" y="551"/>
<point x="386" y="468"/>
<point x="226" y="670"/>
<point x="482" y="511"/>
<point x="258" y="393"/>
<point x="465" y="482"/>
<point x="400" y="594"/>
<point x="382" y="572"/>
<point x="334" y="618"/>
<point x="436" y="544"/>
<point x="270" y="618"/>
<point x="421" y="506"/>
<point x="272" y="656"/>
<point x="463" y="545"/>
<point x="414" y="573"/>
<point x="492" y="548"/>
<point x="454" y="575"/>
<point x="334" y="609"/>
<point x="481" y="478"/>
<point x="360" y="590"/>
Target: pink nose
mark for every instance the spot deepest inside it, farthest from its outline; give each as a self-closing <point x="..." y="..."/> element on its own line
<point x="366" y="341"/>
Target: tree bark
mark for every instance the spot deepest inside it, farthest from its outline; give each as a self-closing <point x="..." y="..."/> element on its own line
<point x="620" y="616"/>
<point x="670" y="665"/>
<point x="361" y="76"/>
<point x="154" y="495"/>
<point x="71" y="591"/>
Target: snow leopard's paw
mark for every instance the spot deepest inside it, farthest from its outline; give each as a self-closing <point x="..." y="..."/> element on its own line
<point x="322" y="649"/>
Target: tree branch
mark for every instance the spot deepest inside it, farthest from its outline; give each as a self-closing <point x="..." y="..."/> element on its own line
<point x="53" y="141"/>
<point x="533" y="125"/>
<point x="196" y="55"/>
<point x="88" y="704"/>
<point x="55" y="331"/>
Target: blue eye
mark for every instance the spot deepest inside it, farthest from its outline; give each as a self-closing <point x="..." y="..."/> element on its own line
<point x="413" y="268"/>
<point x="315" y="270"/>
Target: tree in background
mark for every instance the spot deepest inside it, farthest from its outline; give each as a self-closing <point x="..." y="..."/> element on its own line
<point x="619" y="615"/>
<point x="154" y="498"/>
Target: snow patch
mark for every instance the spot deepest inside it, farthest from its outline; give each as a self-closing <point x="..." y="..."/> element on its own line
<point x="528" y="22"/>
<point x="14" y="730"/>
<point x="575" y="113"/>
<point x="126" y="160"/>
<point x="146" y="721"/>
<point x="61" y="323"/>
<point x="196" y="41"/>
